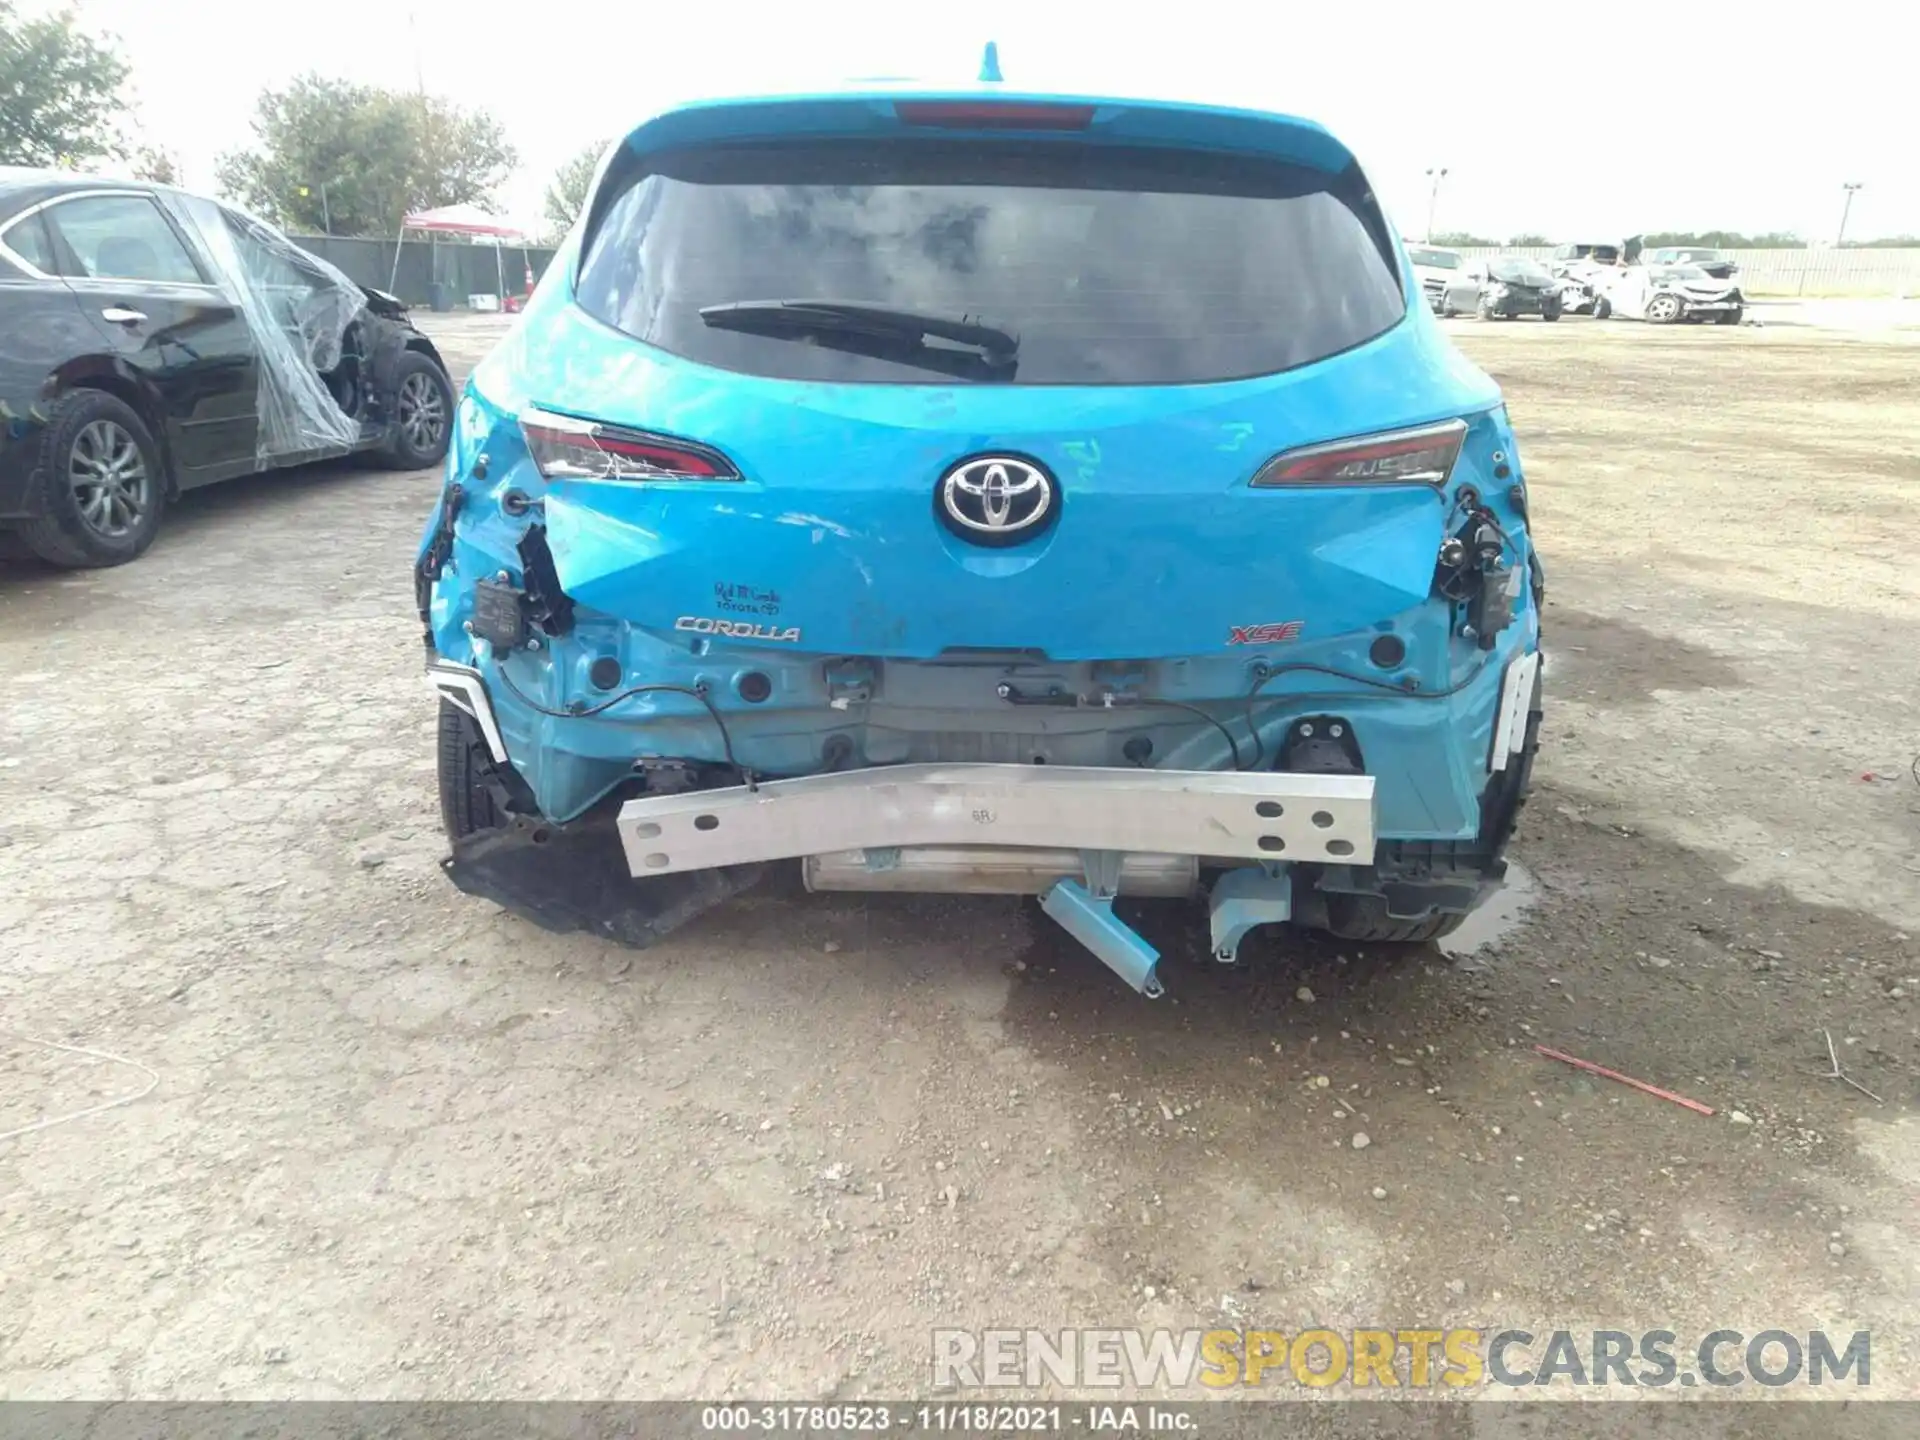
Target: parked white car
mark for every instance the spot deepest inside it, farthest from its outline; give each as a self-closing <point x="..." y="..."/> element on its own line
<point x="1716" y="263"/>
<point x="1445" y="279"/>
<point x="1668" y="294"/>
<point x="1586" y="267"/>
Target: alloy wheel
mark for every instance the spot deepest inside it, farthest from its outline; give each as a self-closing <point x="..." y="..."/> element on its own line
<point x="423" y="412"/>
<point x="110" y="481"/>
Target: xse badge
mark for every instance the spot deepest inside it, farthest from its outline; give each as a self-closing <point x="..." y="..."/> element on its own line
<point x="1264" y="634"/>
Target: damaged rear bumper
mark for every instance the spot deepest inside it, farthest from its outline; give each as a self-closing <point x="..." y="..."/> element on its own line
<point x="573" y="878"/>
<point x="1077" y="836"/>
<point x="1127" y="828"/>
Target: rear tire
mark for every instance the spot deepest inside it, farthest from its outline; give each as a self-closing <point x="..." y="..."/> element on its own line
<point x="1729" y="317"/>
<point x="1549" y="315"/>
<point x="467" y="802"/>
<point x="95" y="442"/>
<point x="1365" y="917"/>
<point x="1603" y="309"/>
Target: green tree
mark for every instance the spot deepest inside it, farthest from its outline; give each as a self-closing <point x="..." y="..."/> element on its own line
<point x="150" y="162"/>
<point x="1529" y="242"/>
<point x="355" y="159"/>
<point x="60" y="91"/>
<point x="567" y="192"/>
<point x="1458" y="239"/>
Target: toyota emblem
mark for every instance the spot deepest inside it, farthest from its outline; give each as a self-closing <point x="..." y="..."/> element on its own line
<point x="996" y="499"/>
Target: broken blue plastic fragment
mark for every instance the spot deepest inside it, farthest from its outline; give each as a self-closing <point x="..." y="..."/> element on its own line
<point x="990" y="63"/>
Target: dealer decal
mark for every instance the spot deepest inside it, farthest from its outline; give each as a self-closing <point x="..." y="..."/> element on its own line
<point x="739" y="629"/>
<point x="1265" y="634"/>
<point x="746" y="599"/>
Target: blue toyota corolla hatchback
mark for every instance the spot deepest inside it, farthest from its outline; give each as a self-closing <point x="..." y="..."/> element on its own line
<point x="970" y="490"/>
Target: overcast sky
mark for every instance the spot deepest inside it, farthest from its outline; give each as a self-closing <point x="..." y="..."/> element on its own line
<point x="1579" y="121"/>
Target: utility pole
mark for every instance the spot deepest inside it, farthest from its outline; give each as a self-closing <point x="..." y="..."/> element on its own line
<point x="1436" y="175"/>
<point x="1846" y="206"/>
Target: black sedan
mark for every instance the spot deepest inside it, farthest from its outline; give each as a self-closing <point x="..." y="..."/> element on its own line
<point x="153" y="341"/>
<point x="1519" y="287"/>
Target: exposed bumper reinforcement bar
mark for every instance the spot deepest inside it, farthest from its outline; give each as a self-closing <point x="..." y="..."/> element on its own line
<point x="1249" y="815"/>
<point x="854" y="827"/>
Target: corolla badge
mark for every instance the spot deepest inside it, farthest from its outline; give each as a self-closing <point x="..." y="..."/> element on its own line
<point x="996" y="499"/>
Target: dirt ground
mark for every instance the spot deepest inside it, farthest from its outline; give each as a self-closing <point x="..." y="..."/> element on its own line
<point x="401" y="1145"/>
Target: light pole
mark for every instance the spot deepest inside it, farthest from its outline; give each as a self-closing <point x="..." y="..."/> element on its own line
<point x="413" y="36"/>
<point x="326" y="208"/>
<point x="1436" y="175"/>
<point x="1845" y="206"/>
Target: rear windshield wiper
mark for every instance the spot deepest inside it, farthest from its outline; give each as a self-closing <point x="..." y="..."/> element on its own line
<point x="994" y="348"/>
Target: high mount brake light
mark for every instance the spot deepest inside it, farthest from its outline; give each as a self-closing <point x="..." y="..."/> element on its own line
<point x="1422" y="456"/>
<point x="564" y="448"/>
<point x="993" y="115"/>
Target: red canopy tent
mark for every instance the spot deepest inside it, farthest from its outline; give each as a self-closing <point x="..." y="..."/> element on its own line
<point x="468" y="220"/>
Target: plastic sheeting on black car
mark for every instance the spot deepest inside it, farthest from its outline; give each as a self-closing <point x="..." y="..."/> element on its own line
<point x="298" y="308"/>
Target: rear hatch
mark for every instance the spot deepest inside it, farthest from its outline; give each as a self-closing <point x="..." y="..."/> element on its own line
<point x="1142" y="306"/>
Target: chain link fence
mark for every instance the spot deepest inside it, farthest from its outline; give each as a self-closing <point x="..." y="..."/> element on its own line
<point x="456" y="268"/>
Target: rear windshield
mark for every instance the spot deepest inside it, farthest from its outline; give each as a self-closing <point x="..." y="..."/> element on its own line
<point x="1437" y="259"/>
<point x="1106" y="266"/>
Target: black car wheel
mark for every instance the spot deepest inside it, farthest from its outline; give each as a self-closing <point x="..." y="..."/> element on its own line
<point x="468" y="802"/>
<point x="101" y="482"/>
<point x="1366" y="917"/>
<point x="1550" y="312"/>
<point x="422" y="414"/>
<point x="1729" y="317"/>
<point x="1602" y="309"/>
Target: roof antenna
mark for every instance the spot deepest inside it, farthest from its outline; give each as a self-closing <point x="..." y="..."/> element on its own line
<point x="990" y="64"/>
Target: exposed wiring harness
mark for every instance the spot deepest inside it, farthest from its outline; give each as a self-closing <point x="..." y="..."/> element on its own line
<point x="1148" y="700"/>
<point x="1108" y="701"/>
<point x="1402" y="688"/>
<point x="1115" y="700"/>
<point x="698" y="692"/>
<point x="1112" y="701"/>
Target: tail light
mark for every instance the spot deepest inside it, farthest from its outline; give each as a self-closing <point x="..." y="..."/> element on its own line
<point x="568" y="449"/>
<point x="1422" y="456"/>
